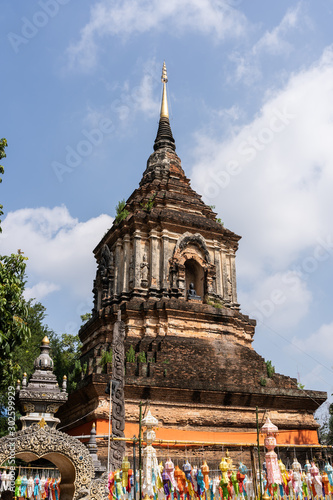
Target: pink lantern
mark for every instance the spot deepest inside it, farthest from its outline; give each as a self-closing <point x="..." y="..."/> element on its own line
<point x="273" y="471"/>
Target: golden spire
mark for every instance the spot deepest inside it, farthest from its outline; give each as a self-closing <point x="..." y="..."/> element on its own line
<point x="164" y="105"/>
<point x="45" y="341"/>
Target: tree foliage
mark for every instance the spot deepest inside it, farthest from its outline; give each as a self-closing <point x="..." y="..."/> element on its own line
<point x="330" y="426"/>
<point x="106" y="358"/>
<point x="121" y="212"/>
<point x="22" y="357"/>
<point x="326" y="429"/>
<point x="14" y="327"/>
<point x="85" y="317"/>
<point x="3" y="145"/>
<point x="130" y="355"/>
<point x="65" y="352"/>
<point x="270" y="369"/>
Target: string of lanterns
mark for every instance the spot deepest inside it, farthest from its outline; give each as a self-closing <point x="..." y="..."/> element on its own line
<point x="169" y="482"/>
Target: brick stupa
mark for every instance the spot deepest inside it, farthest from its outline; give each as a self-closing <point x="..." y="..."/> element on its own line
<point x="168" y="265"/>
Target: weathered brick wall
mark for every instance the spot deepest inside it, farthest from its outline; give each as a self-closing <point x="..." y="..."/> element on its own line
<point x="201" y="364"/>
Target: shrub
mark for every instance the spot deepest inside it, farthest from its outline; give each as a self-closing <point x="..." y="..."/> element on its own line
<point x="121" y="212"/>
<point x="142" y="357"/>
<point x="270" y="369"/>
<point x="130" y="355"/>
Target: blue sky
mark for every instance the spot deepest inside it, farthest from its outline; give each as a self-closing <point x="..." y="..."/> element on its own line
<point x="251" y="98"/>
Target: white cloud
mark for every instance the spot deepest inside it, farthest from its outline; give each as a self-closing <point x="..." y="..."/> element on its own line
<point x="272" y="182"/>
<point x="131" y="99"/>
<point x="274" y="42"/>
<point x="278" y="300"/>
<point x="276" y="168"/>
<point x="317" y="376"/>
<point x="246" y="68"/>
<point x="58" y="246"/>
<point x="126" y="17"/>
<point x="40" y="290"/>
<point x="138" y="99"/>
<point x="320" y="342"/>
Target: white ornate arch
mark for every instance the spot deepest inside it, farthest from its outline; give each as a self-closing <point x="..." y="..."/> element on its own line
<point x="70" y="456"/>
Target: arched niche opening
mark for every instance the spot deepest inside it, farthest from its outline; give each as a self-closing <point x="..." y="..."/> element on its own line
<point x="64" y="465"/>
<point x="195" y="274"/>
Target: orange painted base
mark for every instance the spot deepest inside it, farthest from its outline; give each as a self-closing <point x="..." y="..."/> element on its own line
<point x="292" y="437"/>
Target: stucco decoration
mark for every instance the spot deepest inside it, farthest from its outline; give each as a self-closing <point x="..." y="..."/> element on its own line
<point x="191" y="246"/>
<point x="98" y="490"/>
<point x="118" y="400"/>
<point x="44" y="441"/>
<point x="191" y="239"/>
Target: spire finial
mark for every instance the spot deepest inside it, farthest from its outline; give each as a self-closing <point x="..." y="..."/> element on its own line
<point x="164" y="138"/>
<point x="164" y="105"/>
<point x="164" y="77"/>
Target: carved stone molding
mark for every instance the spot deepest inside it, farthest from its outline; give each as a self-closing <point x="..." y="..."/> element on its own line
<point x="118" y="400"/>
<point x="191" y="239"/>
<point x="98" y="490"/>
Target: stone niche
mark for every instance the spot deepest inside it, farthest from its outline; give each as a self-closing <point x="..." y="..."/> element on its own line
<point x="160" y="264"/>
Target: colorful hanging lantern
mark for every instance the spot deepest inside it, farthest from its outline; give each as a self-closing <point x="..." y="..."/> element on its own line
<point x="180" y="476"/>
<point x="205" y="472"/>
<point x="200" y="483"/>
<point x="166" y="483"/>
<point x="187" y="468"/>
<point x="316" y="480"/>
<point x="329" y="472"/>
<point x="297" y="478"/>
<point x="225" y="478"/>
<point x="111" y="484"/>
<point x="241" y="478"/>
<point x="125" y="466"/>
<point x="273" y="471"/>
<point x="305" y="488"/>
<point x="228" y="459"/>
<point x="170" y="469"/>
<point x="326" y="483"/>
<point x="151" y="470"/>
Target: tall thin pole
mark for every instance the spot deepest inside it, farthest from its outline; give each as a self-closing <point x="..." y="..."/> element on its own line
<point x="134" y="466"/>
<point x="258" y="445"/>
<point x="140" y="464"/>
<point x="109" y="440"/>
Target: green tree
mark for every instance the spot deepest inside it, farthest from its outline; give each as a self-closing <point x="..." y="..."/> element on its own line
<point x="65" y="352"/>
<point x="326" y="429"/>
<point x="22" y="356"/>
<point x="3" y="145"/>
<point x="85" y="317"/>
<point x="330" y="426"/>
<point x="14" y="328"/>
<point x="13" y="308"/>
<point x="27" y="352"/>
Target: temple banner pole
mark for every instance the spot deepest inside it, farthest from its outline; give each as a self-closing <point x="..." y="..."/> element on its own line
<point x="110" y="411"/>
<point x="259" y="461"/>
<point x="140" y="464"/>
